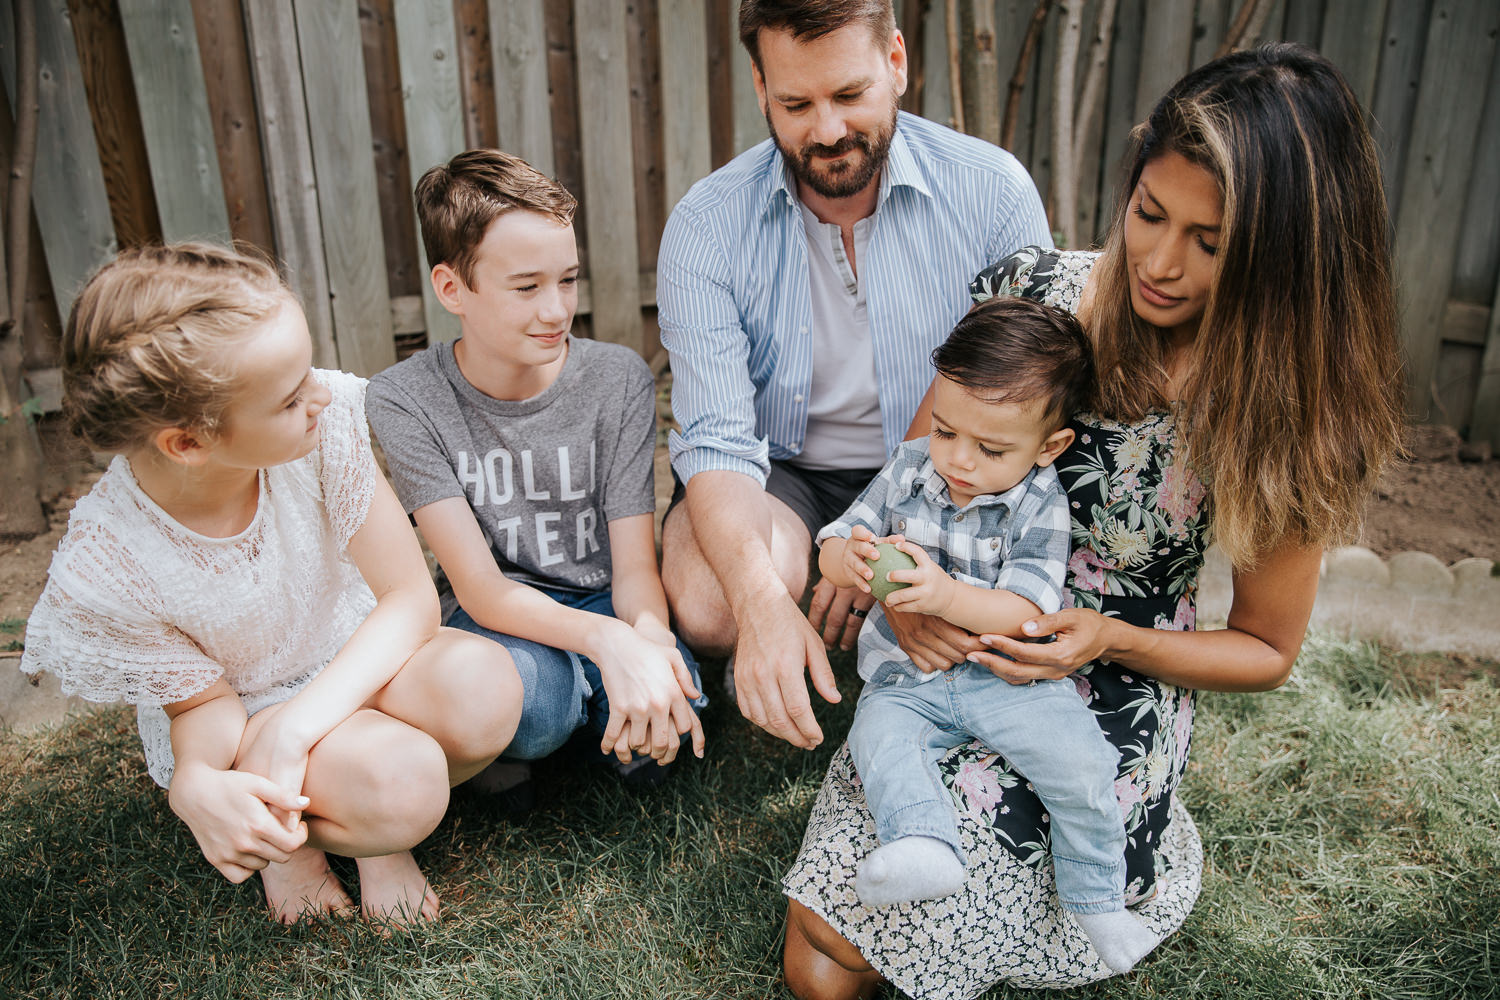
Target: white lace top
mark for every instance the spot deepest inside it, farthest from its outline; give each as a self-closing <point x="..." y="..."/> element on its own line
<point x="140" y="609"/>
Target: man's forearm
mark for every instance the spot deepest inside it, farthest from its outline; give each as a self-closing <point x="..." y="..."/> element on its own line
<point x="732" y="522"/>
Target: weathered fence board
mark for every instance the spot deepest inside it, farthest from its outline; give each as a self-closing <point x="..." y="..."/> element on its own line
<point x="1484" y="423"/>
<point x="608" y="172"/>
<point x="68" y="193"/>
<point x="518" y="37"/>
<point x="749" y="123"/>
<point x="684" y="91"/>
<point x="175" y="118"/>
<point x="427" y="41"/>
<point x="1444" y="129"/>
<point x="231" y="102"/>
<point x="476" y="63"/>
<point x="1352" y="30"/>
<point x="104" y="61"/>
<point x="291" y="187"/>
<point x="1396" y="90"/>
<point x="338" y="118"/>
<point x="1168" y="34"/>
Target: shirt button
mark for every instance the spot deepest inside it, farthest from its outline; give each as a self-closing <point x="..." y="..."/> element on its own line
<point x="994" y="543"/>
<point x="797" y="398"/>
<point x="900" y="525"/>
<point x="803" y="331"/>
<point x="959" y="516"/>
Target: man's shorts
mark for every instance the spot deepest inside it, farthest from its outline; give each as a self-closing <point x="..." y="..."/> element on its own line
<point x="816" y="496"/>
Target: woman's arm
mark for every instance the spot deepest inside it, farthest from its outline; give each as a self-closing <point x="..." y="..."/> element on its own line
<point x="1255" y="652"/>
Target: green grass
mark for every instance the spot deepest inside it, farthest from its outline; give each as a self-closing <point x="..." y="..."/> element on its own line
<point x="1350" y="825"/>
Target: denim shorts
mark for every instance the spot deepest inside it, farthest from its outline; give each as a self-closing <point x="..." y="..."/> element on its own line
<point x="562" y="690"/>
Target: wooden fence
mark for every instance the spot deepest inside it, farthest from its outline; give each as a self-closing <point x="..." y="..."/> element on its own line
<point x="301" y="125"/>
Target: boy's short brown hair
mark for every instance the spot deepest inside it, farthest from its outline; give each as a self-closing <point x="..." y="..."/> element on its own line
<point x="812" y="19"/>
<point x="1015" y="350"/>
<point x="457" y="201"/>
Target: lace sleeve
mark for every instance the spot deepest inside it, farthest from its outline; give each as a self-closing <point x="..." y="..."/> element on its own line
<point x="97" y="630"/>
<point x="347" y="469"/>
<point x="1024" y="274"/>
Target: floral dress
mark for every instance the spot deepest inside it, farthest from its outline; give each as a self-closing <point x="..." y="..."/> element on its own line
<point x="1139" y="517"/>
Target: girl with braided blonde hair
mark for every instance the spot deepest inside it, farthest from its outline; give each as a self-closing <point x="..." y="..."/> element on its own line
<point x="244" y="575"/>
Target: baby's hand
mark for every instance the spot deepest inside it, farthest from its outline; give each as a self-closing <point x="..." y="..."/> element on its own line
<point x="931" y="590"/>
<point x="858" y="548"/>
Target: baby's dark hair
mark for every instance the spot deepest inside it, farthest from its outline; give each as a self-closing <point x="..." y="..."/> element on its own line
<point x="1014" y="350"/>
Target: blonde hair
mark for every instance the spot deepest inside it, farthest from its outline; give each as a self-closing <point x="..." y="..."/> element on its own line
<point x="144" y="345"/>
<point x="1294" y="400"/>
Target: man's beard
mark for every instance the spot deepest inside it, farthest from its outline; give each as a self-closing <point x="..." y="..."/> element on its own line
<point x="847" y="178"/>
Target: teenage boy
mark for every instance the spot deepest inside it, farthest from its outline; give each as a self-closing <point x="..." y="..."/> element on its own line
<point x="525" y="457"/>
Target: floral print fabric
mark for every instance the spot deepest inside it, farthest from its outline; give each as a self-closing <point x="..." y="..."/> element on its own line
<point x="1138" y="523"/>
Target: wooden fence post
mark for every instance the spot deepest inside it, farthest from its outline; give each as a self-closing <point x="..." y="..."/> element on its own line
<point x="518" y="36"/>
<point x="608" y="173"/>
<point x="71" y="205"/>
<point x="338" y="118"/>
<point x="426" y="39"/>
<point x="175" y="119"/>
<point x="684" y="89"/>
<point x="271" y="30"/>
<point x="1460" y="47"/>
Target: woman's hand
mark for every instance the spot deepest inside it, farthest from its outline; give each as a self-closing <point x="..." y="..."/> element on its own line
<point x="230" y="814"/>
<point x="932" y="643"/>
<point x="648" y="685"/>
<point x="1080" y="636"/>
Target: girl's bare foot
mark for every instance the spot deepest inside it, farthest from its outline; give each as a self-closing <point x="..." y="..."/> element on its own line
<point x="304" y="888"/>
<point x="393" y="891"/>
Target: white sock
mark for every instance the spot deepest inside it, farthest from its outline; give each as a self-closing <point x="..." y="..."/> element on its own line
<point x="908" y="869"/>
<point x="1118" y="936"/>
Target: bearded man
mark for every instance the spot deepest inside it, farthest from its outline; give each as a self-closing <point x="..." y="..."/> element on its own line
<point x="801" y="289"/>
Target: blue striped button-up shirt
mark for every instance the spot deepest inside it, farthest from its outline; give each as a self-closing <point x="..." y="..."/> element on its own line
<point x="1016" y="541"/>
<point x="734" y="301"/>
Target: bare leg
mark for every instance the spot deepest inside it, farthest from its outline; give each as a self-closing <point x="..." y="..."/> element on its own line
<point x="462" y="690"/>
<point x="820" y="964"/>
<point x="379" y="783"/>
<point x="699" y="610"/>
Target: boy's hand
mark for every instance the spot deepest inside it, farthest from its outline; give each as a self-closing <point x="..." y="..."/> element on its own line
<point x="931" y="591"/>
<point x="648" y="685"/>
<point x="859" y="547"/>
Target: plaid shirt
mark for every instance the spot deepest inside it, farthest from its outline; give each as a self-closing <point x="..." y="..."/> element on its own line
<point x="1015" y="541"/>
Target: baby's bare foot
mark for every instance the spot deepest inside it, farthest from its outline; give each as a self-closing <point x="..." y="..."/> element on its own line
<point x="304" y="888"/>
<point x="393" y="891"/>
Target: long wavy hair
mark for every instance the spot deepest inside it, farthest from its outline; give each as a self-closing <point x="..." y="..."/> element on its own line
<point x="1294" y="398"/>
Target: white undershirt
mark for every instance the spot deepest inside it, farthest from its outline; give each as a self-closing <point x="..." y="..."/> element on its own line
<point x="843" y="414"/>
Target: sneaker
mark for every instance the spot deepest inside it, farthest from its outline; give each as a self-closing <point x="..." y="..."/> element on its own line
<point x="509" y="783"/>
<point x="642" y="772"/>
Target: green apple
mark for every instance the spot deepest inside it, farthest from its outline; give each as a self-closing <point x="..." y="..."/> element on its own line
<point x="887" y="559"/>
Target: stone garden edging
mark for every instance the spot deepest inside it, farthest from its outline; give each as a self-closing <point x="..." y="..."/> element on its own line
<point x="1411" y="600"/>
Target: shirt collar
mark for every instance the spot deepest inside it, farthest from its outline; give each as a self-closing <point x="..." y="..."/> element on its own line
<point x="900" y="170"/>
<point x="935" y="488"/>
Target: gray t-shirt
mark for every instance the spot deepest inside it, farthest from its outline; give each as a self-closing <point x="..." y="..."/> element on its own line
<point x="544" y="476"/>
